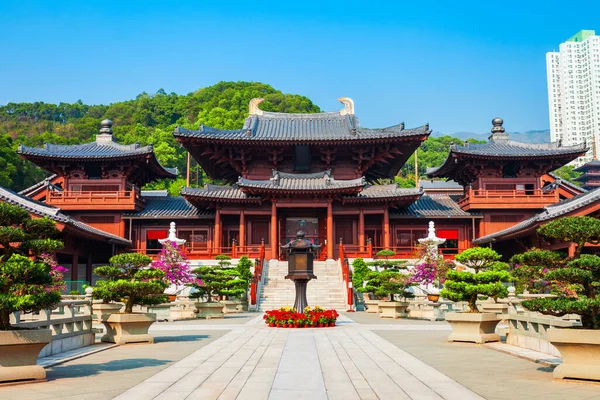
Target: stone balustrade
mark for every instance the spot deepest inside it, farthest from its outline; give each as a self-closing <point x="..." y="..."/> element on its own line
<point x="529" y="329"/>
<point x="70" y="323"/>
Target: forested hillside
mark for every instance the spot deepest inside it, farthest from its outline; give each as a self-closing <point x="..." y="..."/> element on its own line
<point x="151" y="118"/>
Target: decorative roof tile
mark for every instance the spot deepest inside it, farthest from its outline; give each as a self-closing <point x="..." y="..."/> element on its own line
<point x="40" y="184"/>
<point x="499" y="146"/>
<point x="385" y="192"/>
<point x="283" y="181"/>
<point x="434" y="206"/>
<point x="218" y="192"/>
<point x="103" y="148"/>
<point x="337" y="126"/>
<point x="44" y="210"/>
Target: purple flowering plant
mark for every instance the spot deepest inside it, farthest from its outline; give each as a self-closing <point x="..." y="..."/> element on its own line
<point x="175" y="265"/>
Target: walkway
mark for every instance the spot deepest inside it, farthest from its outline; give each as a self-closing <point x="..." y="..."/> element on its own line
<point x="241" y="358"/>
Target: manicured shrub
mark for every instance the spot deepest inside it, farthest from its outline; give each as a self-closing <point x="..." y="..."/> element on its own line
<point x="485" y="281"/>
<point x="360" y="269"/>
<point x="576" y="281"/>
<point x="129" y="278"/>
<point x="388" y="283"/>
<point x="30" y="278"/>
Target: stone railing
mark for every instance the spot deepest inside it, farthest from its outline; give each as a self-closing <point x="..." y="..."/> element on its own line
<point x="70" y="323"/>
<point x="529" y="330"/>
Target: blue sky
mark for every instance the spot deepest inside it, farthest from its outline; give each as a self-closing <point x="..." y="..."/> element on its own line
<point x="455" y="65"/>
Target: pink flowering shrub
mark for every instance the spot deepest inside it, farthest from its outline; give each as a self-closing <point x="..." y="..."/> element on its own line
<point x="175" y="265"/>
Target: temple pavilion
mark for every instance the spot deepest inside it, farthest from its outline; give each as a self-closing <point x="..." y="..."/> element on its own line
<point x="323" y="173"/>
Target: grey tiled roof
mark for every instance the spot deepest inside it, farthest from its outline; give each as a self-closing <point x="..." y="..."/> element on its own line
<point x="593" y="163"/>
<point x="432" y="185"/>
<point x="216" y="192"/>
<point x="550" y="212"/>
<point x="330" y="126"/>
<point x="567" y="183"/>
<point x="168" y="207"/>
<point x="155" y="193"/>
<point x="38" y="185"/>
<point x="44" y="210"/>
<point x="433" y="206"/>
<point x="92" y="150"/>
<point x="103" y="148"/>
<point x="320" y="181"/>
<point x="385" y="192"/>
<point x="506" y="149"/>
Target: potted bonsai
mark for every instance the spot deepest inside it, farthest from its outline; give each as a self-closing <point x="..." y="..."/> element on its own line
<point x="577" y="286"/>
<point x="529" y="270"/>
<point x="390" y="283"/>
<point x="486" y="280"/>
<point x="245" y="274"/>
<point x="130" y="278"/>
<point x="360" y="269"/>
<point x="30" y="280"/>
<point x="215" y="281"/>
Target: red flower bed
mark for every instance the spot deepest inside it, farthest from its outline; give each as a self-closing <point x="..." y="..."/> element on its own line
<point x="287" y="317"/>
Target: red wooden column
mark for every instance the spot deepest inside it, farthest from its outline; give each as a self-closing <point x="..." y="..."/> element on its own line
<point x="329" y="229"/>
<point x="361" y="230"/>
<point x="242" y="241"/>
<point x="386" y="227"/>
<point x="274" y="244"/>
<point x="217" y="238"/>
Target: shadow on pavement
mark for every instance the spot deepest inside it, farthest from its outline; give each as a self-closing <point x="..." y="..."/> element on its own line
<point x="181" y="338"/>
<point x="79" y="370"/>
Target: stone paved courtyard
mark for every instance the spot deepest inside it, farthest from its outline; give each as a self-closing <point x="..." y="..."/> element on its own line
<point x="364" y="357"/>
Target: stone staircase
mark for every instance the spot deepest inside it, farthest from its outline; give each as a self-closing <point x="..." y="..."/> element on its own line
<point x="326" y="291"/>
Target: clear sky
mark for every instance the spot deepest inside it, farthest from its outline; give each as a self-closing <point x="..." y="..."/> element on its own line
<point x="454" y="64"/>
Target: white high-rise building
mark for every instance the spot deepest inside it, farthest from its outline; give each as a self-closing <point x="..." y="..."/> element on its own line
<point x="574" y="92"/>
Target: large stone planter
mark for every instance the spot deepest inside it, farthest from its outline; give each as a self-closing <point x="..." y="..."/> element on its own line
<point x="231" y="306"/>
<point x="209" y="310"/>
<point x="162" y="311"/>
<point x="393" y="309"/>
<point x="496" y="308"/>
<point x="19" y="350"/>
<point x="473" y="327"/>
<point x="372" y="306"/>
<point x="128" y="328"/>
<point x="580" y="351"/>
<point x="104" y="310"/>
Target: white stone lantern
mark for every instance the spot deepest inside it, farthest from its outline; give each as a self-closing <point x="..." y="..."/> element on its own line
<point x="172" y="236"/>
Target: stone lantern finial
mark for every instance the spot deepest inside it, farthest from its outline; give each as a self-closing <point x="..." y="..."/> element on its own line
<point x="172" y="236"/>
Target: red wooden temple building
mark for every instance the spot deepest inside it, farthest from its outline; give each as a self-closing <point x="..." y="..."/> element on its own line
<point x="280" y="172"/>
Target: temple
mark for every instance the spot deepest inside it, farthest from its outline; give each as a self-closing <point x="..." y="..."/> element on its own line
<point x="323" y="173"/>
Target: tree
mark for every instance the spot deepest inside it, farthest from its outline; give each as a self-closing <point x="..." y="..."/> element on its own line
<point x="360" y="269"/>
<point x="129" y="277"/>
<point x="529" y="269"/>
<point x="387" y="283"/>
<point x="485" y="281"/>
<point x="243" y="269"/>
<point x="30" y="279"/>
<point x="575" y="283"/>
<point x="578" y="230"/>
<point x="567" y="172"/>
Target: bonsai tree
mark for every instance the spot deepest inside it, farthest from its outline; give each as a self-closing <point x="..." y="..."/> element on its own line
<point x="485" y="281"/>
<point x="388" y="283"/>
<point x="130" y="278"/>
<point x="529" y="269"/>
<point x="360" y="269"/>
<point x="577" y="282"/>
<point x="217" y="280"/>
<point x="30" y="278"/>
<point x="243" y="271"/>
<point x="385" y="253"/>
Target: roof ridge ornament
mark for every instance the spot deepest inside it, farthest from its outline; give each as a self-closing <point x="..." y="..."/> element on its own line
<point x="498" y="132"/>
<point x="348" y="106"/>
<point x="253" y="106"/>
<point x="105" y="136"/>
